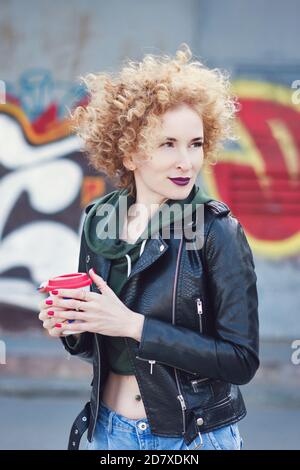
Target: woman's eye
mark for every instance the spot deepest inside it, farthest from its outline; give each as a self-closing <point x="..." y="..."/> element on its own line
<point x="198" y="144"/>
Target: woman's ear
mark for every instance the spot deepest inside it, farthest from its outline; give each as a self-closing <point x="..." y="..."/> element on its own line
<point x="128" y="163"/>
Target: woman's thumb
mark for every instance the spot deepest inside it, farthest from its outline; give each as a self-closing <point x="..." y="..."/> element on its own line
<point x="100" y="283"/>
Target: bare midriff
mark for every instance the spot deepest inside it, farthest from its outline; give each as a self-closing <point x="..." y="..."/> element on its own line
<point x="122" y="394"/>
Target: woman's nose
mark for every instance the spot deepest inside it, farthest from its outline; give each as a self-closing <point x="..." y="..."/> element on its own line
<point x="184" y="162"/>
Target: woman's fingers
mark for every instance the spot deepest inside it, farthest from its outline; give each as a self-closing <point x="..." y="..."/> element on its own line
<point x="65" y="303"/>
<point x="48" y="324"/>
<point x="70" y="315"/>
<point x="48" y="313"/>
<point x="55" y="331"/>
<point x="52" y="320"/>
<point x="56" y="323"/>
<point x="54" y="326"/>
<point x="77" y="294"/>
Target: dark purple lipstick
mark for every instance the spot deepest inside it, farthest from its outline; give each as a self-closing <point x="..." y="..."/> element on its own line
<point x="180" y="181"/>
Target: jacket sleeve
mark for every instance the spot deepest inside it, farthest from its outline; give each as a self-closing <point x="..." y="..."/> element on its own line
<point x="83" y="345"/>
<point x="232" y="354"/>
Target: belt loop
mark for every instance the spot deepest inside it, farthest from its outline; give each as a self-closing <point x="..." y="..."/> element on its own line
<point x="110" y="419"/>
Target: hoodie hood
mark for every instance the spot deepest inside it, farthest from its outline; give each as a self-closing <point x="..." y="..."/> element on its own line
<point x="107" y="213"/>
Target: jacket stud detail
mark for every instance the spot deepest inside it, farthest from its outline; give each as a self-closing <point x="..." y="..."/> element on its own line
<point x="200" y="421"/>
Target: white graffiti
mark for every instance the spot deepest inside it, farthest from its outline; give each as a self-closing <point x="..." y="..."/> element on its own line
<point x="45" y="248"/>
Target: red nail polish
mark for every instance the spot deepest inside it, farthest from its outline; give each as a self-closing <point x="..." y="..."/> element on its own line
<point x="55" y="292"/>
<point x="57" y="325"/>
<point x="49" y="302"/>
<point x="50" y="313"/>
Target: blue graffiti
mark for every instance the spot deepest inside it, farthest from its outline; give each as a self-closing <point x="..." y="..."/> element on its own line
<point x="36" y="90"/>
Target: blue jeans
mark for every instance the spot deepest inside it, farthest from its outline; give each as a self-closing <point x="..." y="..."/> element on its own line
<point x="116" y="432"/>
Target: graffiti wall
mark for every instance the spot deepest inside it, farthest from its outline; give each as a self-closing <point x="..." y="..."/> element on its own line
<point x="259" y="177"/>
<point x="44" y="185"/>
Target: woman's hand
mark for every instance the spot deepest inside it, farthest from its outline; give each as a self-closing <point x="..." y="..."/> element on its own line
<point x="49" y="322"/>
<point x="101" y="313"/>
<point x="46" y="316"/>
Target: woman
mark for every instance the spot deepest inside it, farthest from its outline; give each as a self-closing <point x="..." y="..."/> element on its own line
<point x="171" y="322"/>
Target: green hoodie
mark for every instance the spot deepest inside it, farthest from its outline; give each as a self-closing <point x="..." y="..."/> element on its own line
<point x="123" y="255"/>
<point x="114" y="248"/>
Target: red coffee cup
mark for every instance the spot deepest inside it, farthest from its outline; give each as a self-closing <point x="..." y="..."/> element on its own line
<point x="80" y="281"/>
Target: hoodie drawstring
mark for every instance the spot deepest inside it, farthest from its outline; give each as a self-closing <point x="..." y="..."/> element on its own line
<point x="128" y="265"/>
<point x="143" y="247"/>
<point x="129" y="259"/>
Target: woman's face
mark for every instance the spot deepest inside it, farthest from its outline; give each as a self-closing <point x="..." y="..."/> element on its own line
<point x="178" y="154"/>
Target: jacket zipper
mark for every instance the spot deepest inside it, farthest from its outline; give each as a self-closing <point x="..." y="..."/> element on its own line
<point x="87" y="260"/>
<point x="151" y="362"/>
<point x="200" y="313"/>
<point x="98" y="384"/>
<point x="180" y="395"/>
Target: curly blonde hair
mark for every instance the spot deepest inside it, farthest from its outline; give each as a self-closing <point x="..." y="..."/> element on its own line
<point x="124" y="108"/>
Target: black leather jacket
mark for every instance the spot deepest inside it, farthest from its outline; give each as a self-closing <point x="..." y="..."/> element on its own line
<point x="200" y="333"/>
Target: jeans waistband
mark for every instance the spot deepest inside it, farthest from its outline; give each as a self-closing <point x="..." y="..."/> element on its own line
<point x="111" y="419"/>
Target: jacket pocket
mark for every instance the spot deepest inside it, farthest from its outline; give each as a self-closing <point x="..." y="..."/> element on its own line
<point x="197" y="384"/>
